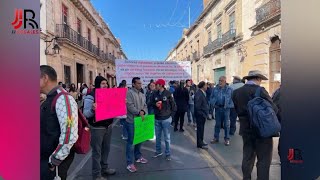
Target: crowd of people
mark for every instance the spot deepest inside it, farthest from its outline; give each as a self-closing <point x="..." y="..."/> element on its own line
<point x="169" y="103"/>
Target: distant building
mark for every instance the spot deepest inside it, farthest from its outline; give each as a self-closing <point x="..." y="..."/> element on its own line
<point x="232" y="37"/>
<point x="87" y="46"/>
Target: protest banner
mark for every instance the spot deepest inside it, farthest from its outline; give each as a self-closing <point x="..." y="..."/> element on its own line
<point x="110" y="103"/>
<point x="143" y="130"/>
<point x="147" y="70"/>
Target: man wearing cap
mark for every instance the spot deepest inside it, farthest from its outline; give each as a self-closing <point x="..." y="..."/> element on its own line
<point x="252" y="145"/>
<point x="164" y="107"/>
<point x="236" y="84"/>
<point x="221" y="100"/>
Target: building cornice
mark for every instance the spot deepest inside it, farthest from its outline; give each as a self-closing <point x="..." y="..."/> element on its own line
<point x="85" y="11"/>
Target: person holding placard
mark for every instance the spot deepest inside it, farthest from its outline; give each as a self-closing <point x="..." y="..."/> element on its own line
<point x="100" y="133"/>
<point x="164" y="107"/>
<point x="136" y="106"/>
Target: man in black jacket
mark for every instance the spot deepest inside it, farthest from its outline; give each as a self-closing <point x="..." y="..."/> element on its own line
<point x="201" y="111"/>
<point x="252" y="145"/>
<point x="58" y="127"/>
<point x="164" y="107"/>
<point x="181" y="97"/>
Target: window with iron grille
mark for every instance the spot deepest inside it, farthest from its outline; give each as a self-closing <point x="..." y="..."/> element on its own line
<point x="79" y="26"/>
<point x="64" y="14"/>
<point x="90" y="77"/>
<point x="89" y="34"/>
<point x="219" y="31"/>
<point x="67" y="75"/>
<point x="232" y="21"/>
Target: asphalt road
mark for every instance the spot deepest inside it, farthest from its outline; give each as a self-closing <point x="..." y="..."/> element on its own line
<point x="188" y="162"/>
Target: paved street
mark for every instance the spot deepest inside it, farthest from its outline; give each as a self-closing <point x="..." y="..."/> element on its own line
<point x="188" y="162"/>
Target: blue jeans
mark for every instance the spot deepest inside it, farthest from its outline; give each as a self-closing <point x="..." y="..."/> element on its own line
<point x="233" y="121"/>
<point x="163" y="125"/>
<point x="190" y="113"/>
<point x="150" y="110"/>
<point x="124" y="130"/>
<point x="222" y="115"/>
<point x="131" y="149"/>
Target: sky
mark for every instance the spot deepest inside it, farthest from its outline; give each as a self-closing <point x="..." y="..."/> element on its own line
<point x="148" y="29"/>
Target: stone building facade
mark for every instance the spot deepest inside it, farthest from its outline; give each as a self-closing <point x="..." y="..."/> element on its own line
<point x="263" y="43"/>
<point x="232" y="37"/>
<point x="211" y="43"/>
<point x="87" y="46"/>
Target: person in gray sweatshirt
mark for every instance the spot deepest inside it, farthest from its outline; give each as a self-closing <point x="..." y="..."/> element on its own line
<point x="136" y="106"/>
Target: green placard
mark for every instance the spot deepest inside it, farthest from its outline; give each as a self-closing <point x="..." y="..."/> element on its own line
<point x="143" y="130"/>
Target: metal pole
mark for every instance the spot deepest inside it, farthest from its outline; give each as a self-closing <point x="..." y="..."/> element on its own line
<point x="189" y="15"/>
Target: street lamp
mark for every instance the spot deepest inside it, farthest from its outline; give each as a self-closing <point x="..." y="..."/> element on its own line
<point x="56" y="49"/>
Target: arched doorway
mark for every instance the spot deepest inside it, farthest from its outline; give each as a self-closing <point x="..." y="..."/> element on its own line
<point x="275" y="64"/>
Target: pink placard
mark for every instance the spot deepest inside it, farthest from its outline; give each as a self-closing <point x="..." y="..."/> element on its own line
<point x="110" y="103"/>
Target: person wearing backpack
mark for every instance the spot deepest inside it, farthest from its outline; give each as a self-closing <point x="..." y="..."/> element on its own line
<point x="100" y="133"/>
<point x="58" y="127"/>
<point x="253" y="145"/>
<point x="164" y="106"/>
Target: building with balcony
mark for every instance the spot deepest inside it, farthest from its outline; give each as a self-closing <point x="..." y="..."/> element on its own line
<point x="262" y="37"/>
<point x="211" y="42"/>
<point x="87" y="46"/>
<point x="232" y="37"/>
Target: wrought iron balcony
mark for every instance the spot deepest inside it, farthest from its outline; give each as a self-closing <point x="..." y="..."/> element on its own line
<point x="65" y="32"/>
<point x="212" y="46"/>
<point x="195" y="56"/>
<point x="208" y="48"/>
<point x="217" y="44"/>
<point x="268" y="10"/>
<point x="229" y="36"/>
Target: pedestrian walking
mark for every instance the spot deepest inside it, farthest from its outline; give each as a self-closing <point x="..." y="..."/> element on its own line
<point x="222" y="102"/>
<point x="164" y="106"/>
<point x="149" y="94"/>
<point x="124" y="134"/>
<point x="253" y="146"/>
<point x="73" y="92"/>
<point x="190" y="113"/>
<point x="58" y="127"/>
<point x="181" y="97"/>
<point x="201" y="112"/>
<point x="101" y="133"/>
<point x="236" y="84"/>
<point x="209" y="92"/>
<point x="136" y="106"/>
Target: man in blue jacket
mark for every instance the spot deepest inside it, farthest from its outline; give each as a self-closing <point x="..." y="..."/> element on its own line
<point x="222" y="102"/>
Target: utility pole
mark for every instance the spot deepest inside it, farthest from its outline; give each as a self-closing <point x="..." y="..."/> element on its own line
<point x="189" y="15"/>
